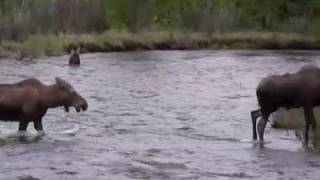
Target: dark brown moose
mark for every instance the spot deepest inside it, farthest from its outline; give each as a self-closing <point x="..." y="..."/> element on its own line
<point x="307" y="68"/>
<point x="29" y="100"/>
<point x="300" y="89"/>
<point x="75" y="57"/>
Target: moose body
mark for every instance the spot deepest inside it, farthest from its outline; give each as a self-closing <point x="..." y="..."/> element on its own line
<point x="307" y="68"/>
<point x="288" y="91"/>
<point x="29" y="100"/>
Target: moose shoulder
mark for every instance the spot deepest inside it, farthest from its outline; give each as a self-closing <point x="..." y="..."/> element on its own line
<point x="29" y="100"/>
<point x="288" y="91"/>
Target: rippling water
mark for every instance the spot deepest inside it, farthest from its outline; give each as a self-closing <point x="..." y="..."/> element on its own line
<point x="157" y="115"/>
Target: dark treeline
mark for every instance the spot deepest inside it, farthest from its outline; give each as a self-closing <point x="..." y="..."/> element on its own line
<point x="20" y="18"/>
<point x="39" y="28"/>
<point x="216" y="15"/>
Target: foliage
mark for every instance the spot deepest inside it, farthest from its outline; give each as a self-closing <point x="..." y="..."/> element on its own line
<point x="21" y="18"/>
<point x="39" y="45"/>
<point x="215" y="15"/>
<point x="38" y="28"/>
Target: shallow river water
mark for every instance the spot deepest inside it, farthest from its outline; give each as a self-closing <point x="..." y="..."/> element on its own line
<point x="157" y="115"/>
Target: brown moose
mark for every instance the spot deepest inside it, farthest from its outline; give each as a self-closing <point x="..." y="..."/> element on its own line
<point x="75" y="57"/>
<point x="300" y="89"/>
<point x="29" y="100"/>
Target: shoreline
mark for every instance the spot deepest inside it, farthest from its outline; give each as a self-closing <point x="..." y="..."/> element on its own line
<point x="39" y="46"/>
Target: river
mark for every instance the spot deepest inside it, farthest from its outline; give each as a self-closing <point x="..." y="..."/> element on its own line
<point x="157" y="115"/>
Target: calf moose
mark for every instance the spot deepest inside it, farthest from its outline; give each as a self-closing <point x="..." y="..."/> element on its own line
<point x="75" y="57"/>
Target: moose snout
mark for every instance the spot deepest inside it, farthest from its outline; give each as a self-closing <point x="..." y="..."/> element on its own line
<point x="81" y="105"/>
<point x="84" y="106"/>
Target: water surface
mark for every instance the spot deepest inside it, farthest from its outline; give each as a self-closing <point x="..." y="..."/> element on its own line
<point x="157" y="115"/>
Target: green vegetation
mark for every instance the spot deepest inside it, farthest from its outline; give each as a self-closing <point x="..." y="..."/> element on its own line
<point x="36" y="46"/>
<point x="36" y="28"/>
<point x="294" y="119"/>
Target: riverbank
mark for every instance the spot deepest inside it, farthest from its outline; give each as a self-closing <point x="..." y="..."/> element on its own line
<point x="37" y="46"/>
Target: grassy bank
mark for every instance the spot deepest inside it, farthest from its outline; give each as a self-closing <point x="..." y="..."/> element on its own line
<point x="36" y="46"/>
<point x="294" y="119"/>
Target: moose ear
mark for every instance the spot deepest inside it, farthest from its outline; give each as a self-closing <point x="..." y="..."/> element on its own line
<point x="60" y="82"/>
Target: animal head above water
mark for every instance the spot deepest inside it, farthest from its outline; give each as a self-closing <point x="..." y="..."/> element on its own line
<point x="71" y="97"/>
<point x="75" y="57"/>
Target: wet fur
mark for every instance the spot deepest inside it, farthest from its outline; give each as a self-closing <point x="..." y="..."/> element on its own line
<point x="29" y="100"/>
<point x="296" y="90"/>
<point x="75" y="58"/>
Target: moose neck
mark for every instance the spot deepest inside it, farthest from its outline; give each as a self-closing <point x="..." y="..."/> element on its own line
<point x="53" y="97"/>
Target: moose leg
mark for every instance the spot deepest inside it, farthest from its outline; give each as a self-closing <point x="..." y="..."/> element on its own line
<point x="254" y="115"/>
<point x="314" y="129"/>
<point x="309" y="117"/>
<point x="38" y="126"/>
<point x="262" y="125"/>
<point x="23" y="125"/>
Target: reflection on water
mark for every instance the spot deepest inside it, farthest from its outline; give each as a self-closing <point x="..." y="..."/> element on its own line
<point x="157" y="115"/>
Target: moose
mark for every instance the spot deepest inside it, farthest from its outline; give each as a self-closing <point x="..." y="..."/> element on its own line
<point x="29" y="100"/>
<point x="75" y="57"/>
<point x="300" y="89"/>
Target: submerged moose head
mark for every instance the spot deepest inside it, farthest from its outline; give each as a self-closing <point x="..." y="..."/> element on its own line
<point x="29" y="100"/>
